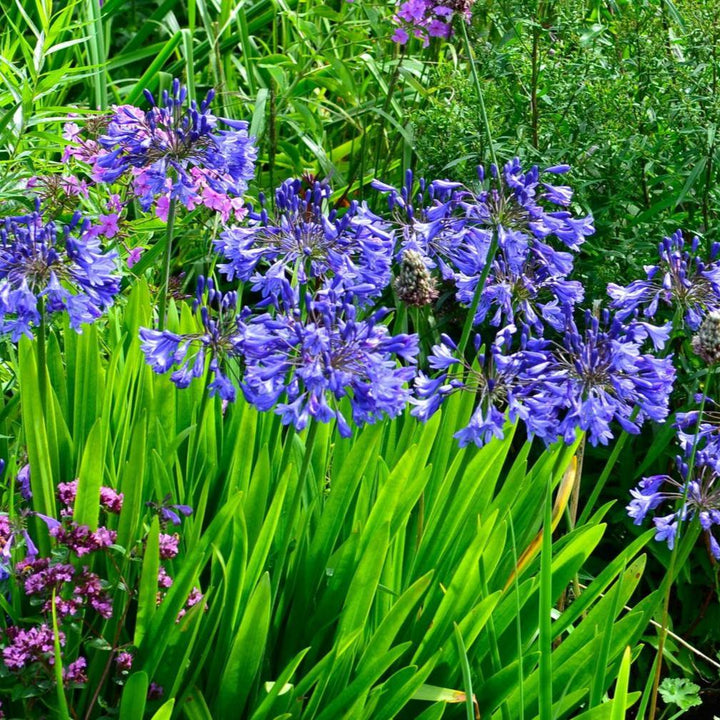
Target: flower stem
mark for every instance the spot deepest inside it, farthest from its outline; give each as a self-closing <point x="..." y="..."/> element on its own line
<point x="63" y="711"/>
<point x="42" y="355"/>
<point x="673" y="556"/>
<point x="168" y="257"/>
<point x="297" y="495"/>
<point x="470" y="320"/>
<point x="478" y="90"/>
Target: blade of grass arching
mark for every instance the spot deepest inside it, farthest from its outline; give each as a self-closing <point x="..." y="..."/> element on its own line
<point x="598" y="683"/>
<point x="87" y="502"/>
<point x="518" y="623"/>
<point x="621" y="687"/>
<point x="246" y="653"/>
<point x="187" y="40"/>
<point x="390" y="625"/>
<point x="358" y="689"/>
<point x="263" y="546"/>
<point x="264" y="710"/>
<point x="362" y="590"/>
<point x="147" y="593"/>
<point x="396" y="693"/>
<point x="132" y="476"/>
<point x="96" y="41"/>
<point x="134" y="696"/>
<point x="145" y="80"/>
<point x="39" y="453"/>
<point x="466" y="674"/>
<point x="545" y="620"/>
<point x="166" y="710"/>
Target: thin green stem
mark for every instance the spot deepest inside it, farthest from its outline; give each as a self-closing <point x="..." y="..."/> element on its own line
<point x="170" y="230"/>
<point x="605" y="474"/>
<point x="470" y="320"/>
<point x="674" y="554"/>
<point x="478" y="90"/>
<point x="42" y="355"/>
<point x="63" y="711"/>
<point x="545" y="641"/>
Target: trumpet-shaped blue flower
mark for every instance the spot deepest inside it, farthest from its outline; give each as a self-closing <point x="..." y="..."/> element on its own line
<point x="695" y="497"/>
<point x="304" y="239"/>
<point x="604" y="376"/>
<point x="176" y="151"/>
<point x="219" y="340"/>
<point x="304" y="364"/>
<point x="45" y="267"/>
<point x="681" y="279"/>
<point x="507" y="386"/>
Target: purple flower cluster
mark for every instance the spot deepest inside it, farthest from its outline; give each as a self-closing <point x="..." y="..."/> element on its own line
<point x="44" y="268"/>
<point x="681" y="280"/>
<point x="696" y="495"/>
<point x="176" y="151"/>
<point x="509" y="223"/>
<point x="316" y="359"/>
<point x="587" y="380"/>
<point x="219" y="340"/>
<point x="516" y="383"/>
<point x="424" y="19"/>
<point x="304" y="239"/>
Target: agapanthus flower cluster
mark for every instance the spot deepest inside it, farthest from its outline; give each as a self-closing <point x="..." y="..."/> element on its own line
<point x="681" y="280"/>
<point x="304" y="363"/>
<point x="305" y="239"/>
<point x="507" y="385"/>
<point x="176" y="151"/>
<point x="527" y="282"/>
<point x="425" y="19"/>
<point x="509" y="222"/>
<point x="605" y="376"/>
<point x="46" y="268"/>
<point x="427" y="219"/>
<point x="219" y="340"/>
<point x="588" y="379"/>
<point x="695" y="495"/>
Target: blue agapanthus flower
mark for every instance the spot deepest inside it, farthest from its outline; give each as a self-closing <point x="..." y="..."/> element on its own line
<point x="304" y="364"/>
<point x="307" y="240"/>
<point x="219" y="340"/>
<point x="695" y="497"/>
<point x="681" y="279"/>
<point x="427" y="218"/>
<point x="527" y="282"/>
<point x="50" y="268"/>
<point x="604" y="376"/>
<point x="512" y="386"/>
<point x="176" y="150"/>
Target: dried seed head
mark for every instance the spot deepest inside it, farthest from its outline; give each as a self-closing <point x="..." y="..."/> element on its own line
<point x="706" y="343"/>
<point x="414" y="284"/>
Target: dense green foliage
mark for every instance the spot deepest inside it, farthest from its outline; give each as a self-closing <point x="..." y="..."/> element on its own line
<point x="370" y="577"/>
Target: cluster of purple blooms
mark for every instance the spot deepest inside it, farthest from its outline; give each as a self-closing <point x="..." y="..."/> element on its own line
<point x="696" y="495"/>
<point x="62" y="579"/>
<point x="316" y="357"/>
<point x="425" y="19"/>
<point x="681" y="280"/>
<point x="46" y="268"/>
<point x="306" y="240"/>
<point x="175" y="151"/>
<point x="690" y="288"/>
<point x="505" y="246"/>
<point x="73" y="587"/>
